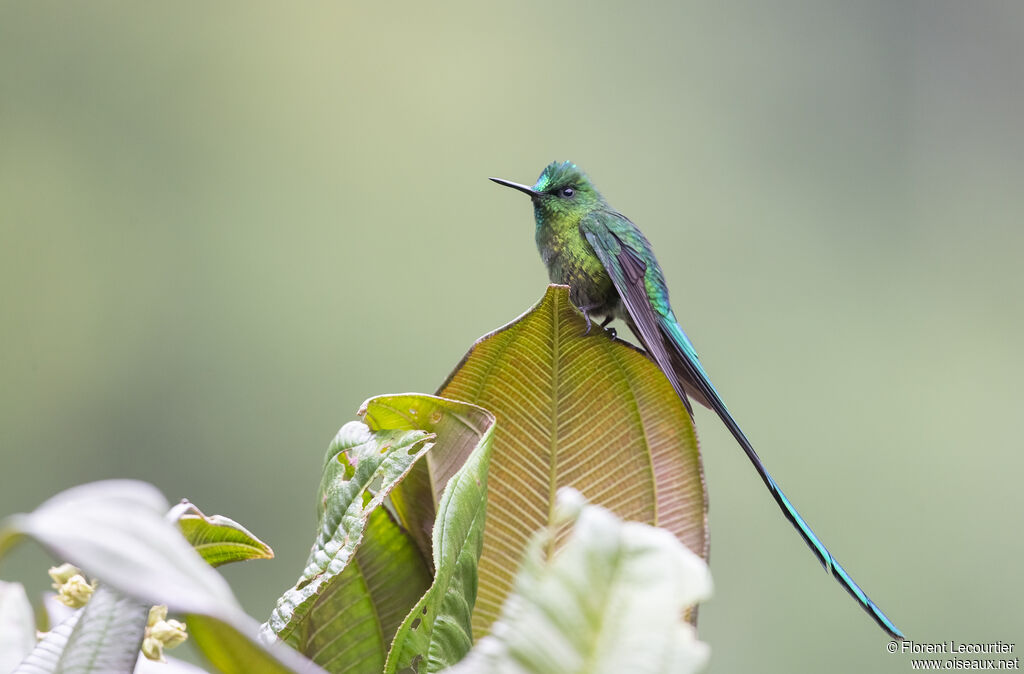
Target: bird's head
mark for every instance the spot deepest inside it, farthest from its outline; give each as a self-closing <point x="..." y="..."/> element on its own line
<point x="562" y="193"/>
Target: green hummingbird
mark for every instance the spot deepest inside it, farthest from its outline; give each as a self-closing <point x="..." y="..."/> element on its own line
<point x="612" y="273"/>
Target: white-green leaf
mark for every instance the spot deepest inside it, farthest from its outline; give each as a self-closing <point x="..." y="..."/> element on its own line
<point x="17" y="625"/>
<point x="116" y="531"/>
<point x="46" y="655"/>
<point x="107" y="637"/>
<point x="611" y="600"/>
<point x="102" y="638"/>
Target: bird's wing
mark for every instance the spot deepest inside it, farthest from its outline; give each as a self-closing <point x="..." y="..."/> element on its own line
<point x="625" y="253"/>
<point x="622" y="249"/>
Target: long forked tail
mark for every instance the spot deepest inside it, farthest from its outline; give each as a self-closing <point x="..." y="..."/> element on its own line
<point x="812" y="540"/>
<point x="688" y="365"/>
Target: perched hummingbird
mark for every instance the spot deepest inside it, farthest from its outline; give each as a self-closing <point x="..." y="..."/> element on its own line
<point x="611" y="272"/>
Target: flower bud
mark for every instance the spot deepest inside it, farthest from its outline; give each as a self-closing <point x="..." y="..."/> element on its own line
<point x="153" y="649"/>
<point x="75" y="592"/>
<point x="171" y="633"/>
<point x="161" y="633"/>
<point x="62" y="574"/>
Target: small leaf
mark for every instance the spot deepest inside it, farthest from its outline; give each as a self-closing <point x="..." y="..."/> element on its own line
<point x="17" y="625"/>
<point x="216" y="538"/>
<point x="610" y="600"/>
<point x="586" y="411"/>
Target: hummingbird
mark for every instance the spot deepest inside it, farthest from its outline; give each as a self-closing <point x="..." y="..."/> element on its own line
<point x="612" y="273"/>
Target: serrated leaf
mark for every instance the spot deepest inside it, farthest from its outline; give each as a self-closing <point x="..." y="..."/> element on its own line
<point x="586" y="411"/>
<point x="610" y="600"/>
<point x="365" y="573"/>
<point x="356" y="616"/>
<point x="438" y="630"/>
<point x="17" y="625"/>
<point x="218" y="539"/>
<point x="116" y="531"/>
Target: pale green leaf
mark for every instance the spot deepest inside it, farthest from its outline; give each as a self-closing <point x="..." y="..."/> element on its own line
<point x="610" y="600"/>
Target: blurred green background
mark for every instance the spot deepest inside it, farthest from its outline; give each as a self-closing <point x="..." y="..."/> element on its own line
<point x="223" y="226"/>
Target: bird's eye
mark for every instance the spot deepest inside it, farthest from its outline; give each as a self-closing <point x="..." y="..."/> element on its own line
<point x="567" y="192"/>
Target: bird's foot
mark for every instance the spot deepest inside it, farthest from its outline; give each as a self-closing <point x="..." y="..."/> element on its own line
<point x="590" y="324"/>
<point x="586" y="316"/>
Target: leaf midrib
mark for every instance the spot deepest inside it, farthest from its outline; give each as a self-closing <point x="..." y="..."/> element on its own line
<point x="556" y="367"/>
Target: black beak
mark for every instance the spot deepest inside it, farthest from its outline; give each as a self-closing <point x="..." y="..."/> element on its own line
<point x="516" y="186"/>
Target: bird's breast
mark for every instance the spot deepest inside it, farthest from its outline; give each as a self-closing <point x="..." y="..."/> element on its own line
<point x="571" y="261"/>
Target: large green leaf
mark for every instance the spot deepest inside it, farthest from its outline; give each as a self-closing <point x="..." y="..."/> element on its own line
<point x="365" y="573"/>
<point x="610" y="600"/>
<point x="117" y="531"/>
<point x="438" y="630"/>
<point x="590" y="412"/>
